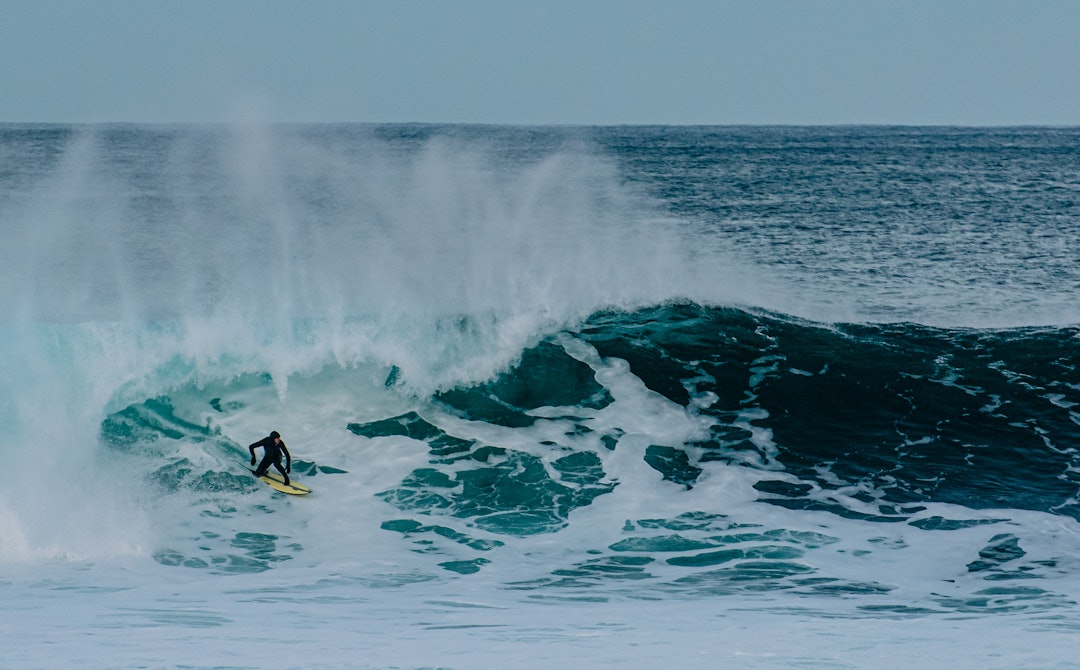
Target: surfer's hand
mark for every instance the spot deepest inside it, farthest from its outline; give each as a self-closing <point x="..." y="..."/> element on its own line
<point x="288" y="469"/>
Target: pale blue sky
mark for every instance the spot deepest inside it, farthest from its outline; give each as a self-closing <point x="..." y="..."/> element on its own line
<point x="967" y="62"/>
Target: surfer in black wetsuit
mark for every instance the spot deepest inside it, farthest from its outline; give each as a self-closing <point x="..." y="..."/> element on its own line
<point x="273" y="447"/>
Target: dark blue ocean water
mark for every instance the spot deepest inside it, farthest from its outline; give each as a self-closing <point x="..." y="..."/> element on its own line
<point x="550" y="385"/>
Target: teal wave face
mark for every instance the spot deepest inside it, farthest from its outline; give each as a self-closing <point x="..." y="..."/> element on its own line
<point x="912" y="413"/>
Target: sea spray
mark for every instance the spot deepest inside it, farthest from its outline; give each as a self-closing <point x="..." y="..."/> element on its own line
<point x="153" y="259"/>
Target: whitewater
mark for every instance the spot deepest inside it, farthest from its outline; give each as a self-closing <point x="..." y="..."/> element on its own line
<point x="574" y="396"/>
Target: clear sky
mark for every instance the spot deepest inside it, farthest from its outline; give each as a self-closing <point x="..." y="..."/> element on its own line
<point x="966" y="62"/>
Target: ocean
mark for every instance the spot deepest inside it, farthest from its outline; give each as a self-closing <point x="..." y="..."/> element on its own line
<point x="635" y="397"/>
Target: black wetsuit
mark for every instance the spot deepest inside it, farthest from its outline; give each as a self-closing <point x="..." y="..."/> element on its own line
<point x="272" y="456"/>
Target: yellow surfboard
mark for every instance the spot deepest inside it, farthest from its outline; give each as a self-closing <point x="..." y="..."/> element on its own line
<point x="277" y="482"/>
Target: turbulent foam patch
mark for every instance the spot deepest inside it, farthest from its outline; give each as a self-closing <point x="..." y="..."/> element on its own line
<point x="711" y="555"/>
<point x="244" y="553"/>
<point x="500" y="490"/>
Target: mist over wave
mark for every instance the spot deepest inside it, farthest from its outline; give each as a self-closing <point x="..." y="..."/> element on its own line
<point x="234" y="241"/>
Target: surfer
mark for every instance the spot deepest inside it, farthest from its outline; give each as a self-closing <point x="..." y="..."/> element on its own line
<point x="273" y="447"/>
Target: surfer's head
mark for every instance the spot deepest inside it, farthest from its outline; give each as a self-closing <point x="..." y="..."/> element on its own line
<point x="274" y="434"/>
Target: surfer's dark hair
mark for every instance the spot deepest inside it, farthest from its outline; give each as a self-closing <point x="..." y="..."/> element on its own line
<point x="274" y="433"/>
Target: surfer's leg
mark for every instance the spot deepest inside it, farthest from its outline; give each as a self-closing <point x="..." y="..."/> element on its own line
<point x="264" y="466"/>
<point x="281" y="469"/>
